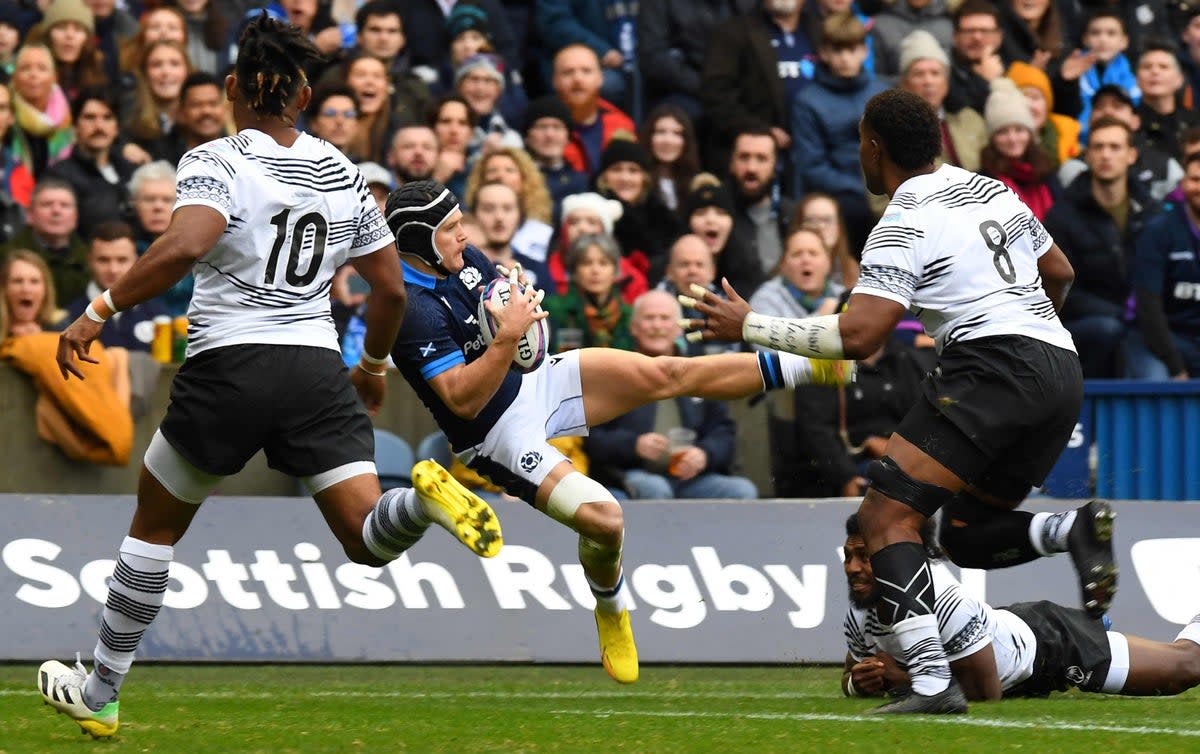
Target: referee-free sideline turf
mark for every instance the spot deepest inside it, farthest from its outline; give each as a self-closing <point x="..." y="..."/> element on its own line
<point x="521" y="708"/>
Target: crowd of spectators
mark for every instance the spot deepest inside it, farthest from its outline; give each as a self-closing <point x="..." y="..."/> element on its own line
<point x="616" y="148"/>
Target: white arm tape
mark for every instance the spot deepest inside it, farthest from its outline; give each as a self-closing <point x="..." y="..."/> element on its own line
<point x="815" y="337"/>
<point x="109" y="302"/>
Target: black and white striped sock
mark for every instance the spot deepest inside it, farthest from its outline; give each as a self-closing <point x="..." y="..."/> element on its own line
<point x="135" y="594"/>
<point x="395" y="524"/>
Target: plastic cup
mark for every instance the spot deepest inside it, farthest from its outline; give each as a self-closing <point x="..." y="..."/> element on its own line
<point x="680" y="438"/>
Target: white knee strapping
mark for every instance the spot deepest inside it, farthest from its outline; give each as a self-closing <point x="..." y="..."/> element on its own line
<point x="1118" y="669"/>
<point x="176" y="474"/>
<point x="572" y="491"/>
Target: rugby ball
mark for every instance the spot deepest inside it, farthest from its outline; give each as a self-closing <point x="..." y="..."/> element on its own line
<point x="531" y="348"/>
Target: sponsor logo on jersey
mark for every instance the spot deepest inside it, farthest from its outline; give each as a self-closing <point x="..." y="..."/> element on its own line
<point x="530" y="461"/>
<point x="474" y="345"/>
<point x="470" y="277"/>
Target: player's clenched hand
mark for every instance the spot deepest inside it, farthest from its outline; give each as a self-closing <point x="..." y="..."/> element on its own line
<point x="371" y="388"/>
<point x="522" y="311"/>
<point x="722" y="318"/>
<point x="868" y="676"/>
<point x="74" y="343"/>
<point x="893" y="675"/>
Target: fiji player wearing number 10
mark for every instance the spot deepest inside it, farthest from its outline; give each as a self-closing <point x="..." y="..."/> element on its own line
<point x="265" y="217"/>
<point x="973" y="263"/>
<point x="498" y="420"/>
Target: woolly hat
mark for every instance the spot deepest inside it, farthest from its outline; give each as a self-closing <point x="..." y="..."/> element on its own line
<point x="373" y="172"/>
<point x="623" y="150"/>
<point x="484" y="61"/>
<point x="708" y="195"/>
<point x="921" y="45"/>
<point x="69" y="10"/>
<point x="549" y="106"/>
<point x="1006" y="106"/>
<point x="609" y="210"/>
<point x="1024" y="74"/>
<point x="12" y="15"/>
<point x="465" y="18"/>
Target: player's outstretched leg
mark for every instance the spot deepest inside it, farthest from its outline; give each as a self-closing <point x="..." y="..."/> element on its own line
<point x="589" y="508"/>
<point x="62" y="689"/>
<point x="1091" y="548"/>
<point x="456" y="509"/>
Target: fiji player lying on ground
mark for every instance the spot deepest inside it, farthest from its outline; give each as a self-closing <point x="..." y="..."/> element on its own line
<point x="498" y="419"/>
<point x="1026" y="649"/>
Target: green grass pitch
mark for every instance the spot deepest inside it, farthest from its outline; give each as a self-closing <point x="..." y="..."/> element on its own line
<point x="520" y="708"/>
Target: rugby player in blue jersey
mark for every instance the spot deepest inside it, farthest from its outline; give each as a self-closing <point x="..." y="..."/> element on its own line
<point x="498" y="419"/>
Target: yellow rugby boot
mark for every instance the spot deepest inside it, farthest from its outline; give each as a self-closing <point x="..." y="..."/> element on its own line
<point x="617" y="649"/>
<point x="457" y="509"/>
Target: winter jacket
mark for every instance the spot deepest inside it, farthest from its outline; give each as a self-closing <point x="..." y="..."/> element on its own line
<point x="673" y="40"/>
<point x="1166" y="278"/>
<point x="741" y="78"/>
<point x="612" y="120"/>
<point x="611" y="446"/>
<point x="1098" y="251"/>
<point x="825" y="119"/>
<point x="99" y="200"/>
<point x="897" y="21"/>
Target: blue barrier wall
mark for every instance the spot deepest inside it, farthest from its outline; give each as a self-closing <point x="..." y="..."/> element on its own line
<point x="1147" y="437"/>
<point x="1147" y="442"/>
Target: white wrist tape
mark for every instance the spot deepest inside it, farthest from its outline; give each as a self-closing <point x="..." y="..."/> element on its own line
<point x="374" y="361"/>
<point x="815" y="337"/>
<point x="109" y="302"/>
<point x="90" y="311"/>
<point x="848" y="687"/>
<point x="380" y="373"/>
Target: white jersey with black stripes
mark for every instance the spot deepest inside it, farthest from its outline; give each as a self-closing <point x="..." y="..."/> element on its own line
<point x="966" y="625"/>
<point x="294" y="215"/>
<point x="961" y="251"/>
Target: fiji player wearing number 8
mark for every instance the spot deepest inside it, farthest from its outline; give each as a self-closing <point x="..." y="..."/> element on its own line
<point x="986" y="280"/>
<point x="498" y="419"/>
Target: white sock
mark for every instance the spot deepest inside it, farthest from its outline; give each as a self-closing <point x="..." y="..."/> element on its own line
<point x="797" y="370"/>
<point x="923" y="650"/>
<point x="1191" y="631"/>
<point x="1048" y="532"/>
<point x="610" y="599"/>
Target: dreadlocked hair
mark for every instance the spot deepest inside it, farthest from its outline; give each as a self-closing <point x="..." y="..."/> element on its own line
<point x="272" y="57"/>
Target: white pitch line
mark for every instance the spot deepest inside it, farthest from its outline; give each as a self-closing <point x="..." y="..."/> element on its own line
<point x="565" y="695"/>
<point x="979" y="722"/>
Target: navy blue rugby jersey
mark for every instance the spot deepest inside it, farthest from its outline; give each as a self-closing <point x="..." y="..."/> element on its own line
<point x="439" y="332"/>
